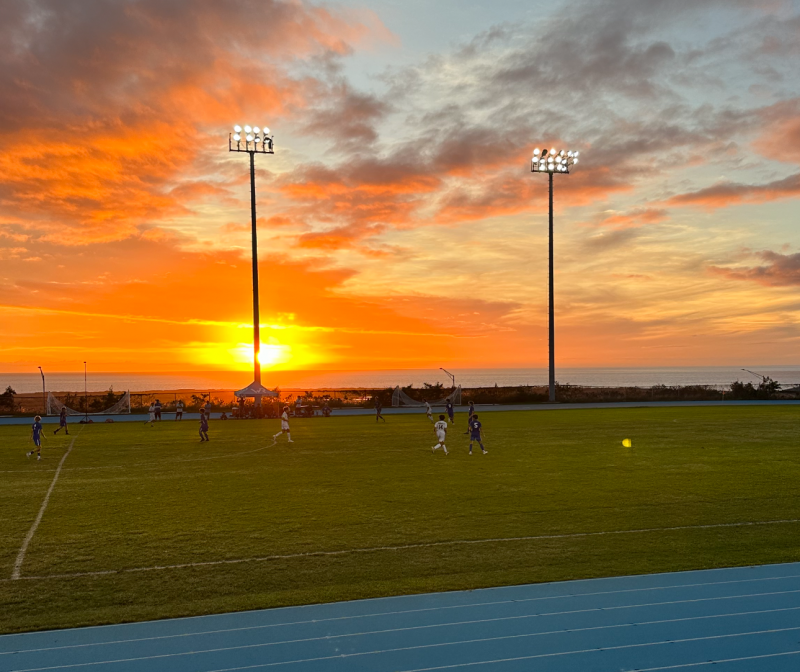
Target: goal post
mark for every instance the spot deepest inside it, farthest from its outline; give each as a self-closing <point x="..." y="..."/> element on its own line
<point x="400" y="398"/>
<point x="123" y="406"/>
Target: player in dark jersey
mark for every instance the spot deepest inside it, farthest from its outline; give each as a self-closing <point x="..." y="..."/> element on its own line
<point x="62" y="422"/>
<point x="36" y="437"/>
<point x="203" y="426"/>
<point x="451" y="412"/>
<point x="378" y="409"/>
<point x="469" y="416"/>
<point x="476" y="434"/>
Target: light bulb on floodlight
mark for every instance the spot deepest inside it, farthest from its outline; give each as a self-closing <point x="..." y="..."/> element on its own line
<point x="536" y="152"/>
<point x="569" y="153"/>
<point x="237" y="128"/>
<point x="266" y="130"/>
<point x="257" y="139"/>
<point x="247" y="129"/>
<point x="553" y="151"/>
<point x="256" y="129"/>
<point x="576" y="153"/>
<point x="249" y="138"/>
<point x="561" y="153"/>
<point x="575" y="161"/>
<point x="237" y="137"/>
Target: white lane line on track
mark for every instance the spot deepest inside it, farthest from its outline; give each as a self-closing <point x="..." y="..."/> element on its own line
<point x="418" y="611"/>
<point x="15" y="575"/>
<point x="203" y="633"/>
<point x="569" y="653"/>
<point x="404" y="547"/>
<point x="307" y="640"/>
<point x="342" y="656"/>
<point x="715" y="662"/>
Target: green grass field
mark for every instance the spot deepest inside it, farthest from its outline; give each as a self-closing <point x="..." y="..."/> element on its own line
<point x="131" y="497"/>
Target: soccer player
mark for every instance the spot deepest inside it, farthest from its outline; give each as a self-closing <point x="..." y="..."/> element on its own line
<point x="152" y="412"/>
<point x="378" y="409"/>
<point x="469" y="418"/>
<point x="428" y="411"/>
<point x="62" y="421"/>
<point x="36" y="437"/>
<point x="451" y="412"/>
<point x="203" y="426"/>
<point x="179" y="410"/>
<point x="284" y="425"/>
<point x="441" y="433"/>
<point x="158" y="410"/>
<point x="476" y="434"/>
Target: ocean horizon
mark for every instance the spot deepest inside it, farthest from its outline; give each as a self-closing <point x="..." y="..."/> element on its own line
<point x="787" y="375"/>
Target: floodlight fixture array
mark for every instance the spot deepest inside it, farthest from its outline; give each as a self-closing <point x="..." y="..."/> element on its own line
<point x="553" y="160"/>
<point x="250" y="139"/>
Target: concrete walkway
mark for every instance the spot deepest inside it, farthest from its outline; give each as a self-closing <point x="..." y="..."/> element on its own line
<point x="482" y="408"/>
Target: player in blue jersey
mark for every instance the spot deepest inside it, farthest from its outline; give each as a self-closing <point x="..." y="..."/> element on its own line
<point x="62" y="421"/>
<point x="451" y="412"/>
<point x="476" y="434"/>
<point x="203" y="426"/>
<point x="36" y="437"/>
<point x="470" y="413"/>
<point x="378" y="409"/>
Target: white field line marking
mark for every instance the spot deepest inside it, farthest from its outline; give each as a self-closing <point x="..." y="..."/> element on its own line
<point x="315" y="621"/>
<point x="714" y="662"/>
<point x="569" y="653"/>
<point x="15" y="575"/>
<point x="398" y="649"/>
<point x="404" y="547"/>
<point x="440" y="625"/>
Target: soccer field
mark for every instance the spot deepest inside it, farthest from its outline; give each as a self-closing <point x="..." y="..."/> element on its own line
<point x="147" y="523"/>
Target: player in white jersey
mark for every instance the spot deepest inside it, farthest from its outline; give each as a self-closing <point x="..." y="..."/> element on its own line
<point x="441" y="433"/>
<point x="428" y="411"/>
<point x="284" y="425"/>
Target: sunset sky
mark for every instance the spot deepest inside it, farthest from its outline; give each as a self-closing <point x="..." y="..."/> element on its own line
<point x="399" y="223"/>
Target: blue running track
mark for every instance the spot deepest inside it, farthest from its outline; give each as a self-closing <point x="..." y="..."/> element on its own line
<point x="733" y="620"/>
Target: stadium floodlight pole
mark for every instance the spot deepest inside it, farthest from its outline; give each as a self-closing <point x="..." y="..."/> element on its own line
<point x="44" y="392"/>
<point x="85" y="394"/>
<point x="254" y="141"/>
<point x="451" y="375"/>
<point x="552" y="161"/>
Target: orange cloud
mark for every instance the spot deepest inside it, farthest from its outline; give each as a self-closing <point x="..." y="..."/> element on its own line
<point x="732" y="193"/>
<point x="112" y="113"/>
<point x="780" y="270"/>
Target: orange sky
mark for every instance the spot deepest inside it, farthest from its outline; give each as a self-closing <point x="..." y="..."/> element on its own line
<point x="399" y="223"/>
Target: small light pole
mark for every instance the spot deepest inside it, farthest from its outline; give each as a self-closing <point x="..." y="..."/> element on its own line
<point x="451" y="376"/>
<point x="44" y="393"/>
<point x="253" y="140"/>
<point x="552" y="161"/>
